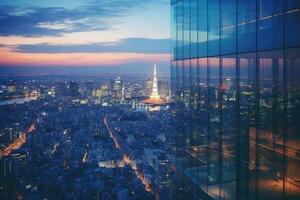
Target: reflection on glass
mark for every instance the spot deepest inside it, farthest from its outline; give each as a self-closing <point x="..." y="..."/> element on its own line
<point x="213" y="20"/>
<point x="239" y="133"/>
<point x="228" y="26"/>
<point x="202" y="28"/>
<point x="246" y="25"/>
<point x="270" y="24"/>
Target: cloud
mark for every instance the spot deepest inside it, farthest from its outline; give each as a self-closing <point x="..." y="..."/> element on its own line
<point x="129" y="45"/>
<point x="49" y="21"/>
<point x="45" y="21"/>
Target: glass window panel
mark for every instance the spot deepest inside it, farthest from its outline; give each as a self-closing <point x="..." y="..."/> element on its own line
<point x="270" y="124"/>
<point x="180" y="79"/>
<point x="194" y="27"/>
<point x="186" y="28"/>
<point x="187" y="82"/>
<point x="202" y="78"/>
<point x="215" y="149"/>
<point x="292" y="145"/>
<point x="228" y="29"/>
<point x="213" y="27"/>
<point x="213" y="84"/>
<point x="194" y="84"/>
<point x="179" y="21"/>
<point x="270" y="24"/>
<point x="173" y="79"/>
<point x="292" y="23"/>
<point x="228" y="125"/>
<point x="292" y="4"/>
<point x="194" y="72"/>
<point x="246" y="96"/>
<point x="173" y="30"/>
<point x="246" y="25"/>
<point x="202" y="28"/>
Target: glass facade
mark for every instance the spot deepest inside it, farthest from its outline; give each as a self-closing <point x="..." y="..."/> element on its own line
<point x="235" y="73"/>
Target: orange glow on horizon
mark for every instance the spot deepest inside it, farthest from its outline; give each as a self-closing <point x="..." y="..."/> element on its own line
<point x="8" y="57"/>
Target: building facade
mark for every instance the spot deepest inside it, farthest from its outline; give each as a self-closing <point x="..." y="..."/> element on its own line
<point x="236" y="66"/>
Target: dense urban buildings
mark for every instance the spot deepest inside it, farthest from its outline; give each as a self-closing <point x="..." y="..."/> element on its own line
<point x="235" y="73"/>
<point x="83" y="137"/>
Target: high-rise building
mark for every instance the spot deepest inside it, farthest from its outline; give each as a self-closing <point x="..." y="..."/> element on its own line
<point x="88" y="88"/>
<point x="117" y="91"/>
<point x="64" y="89"/>
<point x="60" y="89"/>
<point x="12" y="87"/>
<point x="73" y="89"/>
<point x="164" y="187"/>
<point x="237" y="64"/>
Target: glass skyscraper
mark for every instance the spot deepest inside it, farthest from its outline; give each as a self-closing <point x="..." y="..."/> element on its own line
<point x="235" y="72"/>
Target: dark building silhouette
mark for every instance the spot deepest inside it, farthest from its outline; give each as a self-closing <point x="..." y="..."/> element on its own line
<point x="164" y="182"/>
<point x="73" y="89"/>
<point x="235" y="72"/>
<point x="61" y="89"/>
<point x="67" y="89"/>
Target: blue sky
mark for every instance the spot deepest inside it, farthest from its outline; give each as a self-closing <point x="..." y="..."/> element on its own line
<point x="121" y="35"/>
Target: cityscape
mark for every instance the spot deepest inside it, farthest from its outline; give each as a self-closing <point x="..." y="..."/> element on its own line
<point x="98" y="101"/>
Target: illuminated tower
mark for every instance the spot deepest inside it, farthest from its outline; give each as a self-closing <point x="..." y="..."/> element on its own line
<point x="154" y="99"/>
<point x="154" y="93"/>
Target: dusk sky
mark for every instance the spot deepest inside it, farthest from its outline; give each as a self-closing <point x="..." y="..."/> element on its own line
<point x="111" y="36"/>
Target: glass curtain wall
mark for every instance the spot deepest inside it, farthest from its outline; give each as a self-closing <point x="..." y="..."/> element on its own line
<point x="236" y="70"/>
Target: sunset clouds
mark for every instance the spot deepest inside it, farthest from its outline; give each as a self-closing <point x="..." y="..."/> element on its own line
<point x="83" y="33"/>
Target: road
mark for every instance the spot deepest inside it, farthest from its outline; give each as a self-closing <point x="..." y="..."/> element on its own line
<point x="18" y="143"/>
<point x="127" y="160"/>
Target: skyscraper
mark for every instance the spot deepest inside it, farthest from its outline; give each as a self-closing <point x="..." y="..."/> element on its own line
<point x="12" y="87"/>
<point x="60" y="89"/>
<point x="237" y="64"/>
<point x="74" y="89"/>
<point x="117" y="90"/>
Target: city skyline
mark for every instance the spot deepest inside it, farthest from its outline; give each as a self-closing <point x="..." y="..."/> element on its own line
<point x="96" y="102"/>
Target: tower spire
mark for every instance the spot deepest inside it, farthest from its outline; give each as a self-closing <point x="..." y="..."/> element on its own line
<point x="154" y="93"/>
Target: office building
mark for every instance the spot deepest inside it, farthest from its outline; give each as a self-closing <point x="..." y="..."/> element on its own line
<point x="12" y="87"/>
<point x="61" y="89"/>
<point x="117" y="91"/>
<point x="237" y="65"/>
<point x="73" y="89"/>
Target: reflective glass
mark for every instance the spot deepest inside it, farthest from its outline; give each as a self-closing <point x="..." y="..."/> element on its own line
<point x="246" y="98"/>
<point x="270" y="24"/>
<point x="228" y="122"/>
<point x="246" y="25"/>
<point x="213" y="27"/>
<point x="202" y="28"/>
<point x="173" y="79"/>
<point x="186" y="28"/>
<point x="194" y="84"/>
<point x="179" y="20"/>
<point x="292" y="144"/>
<point x="173" y="31"/>
<point x="270" y="124"/>
<point x="228" y="28"/>
<point x="202" y="79"/>
<point x="186" y="82"/>
<point x="292" y="23"/>
<point x="194" y="27"/>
